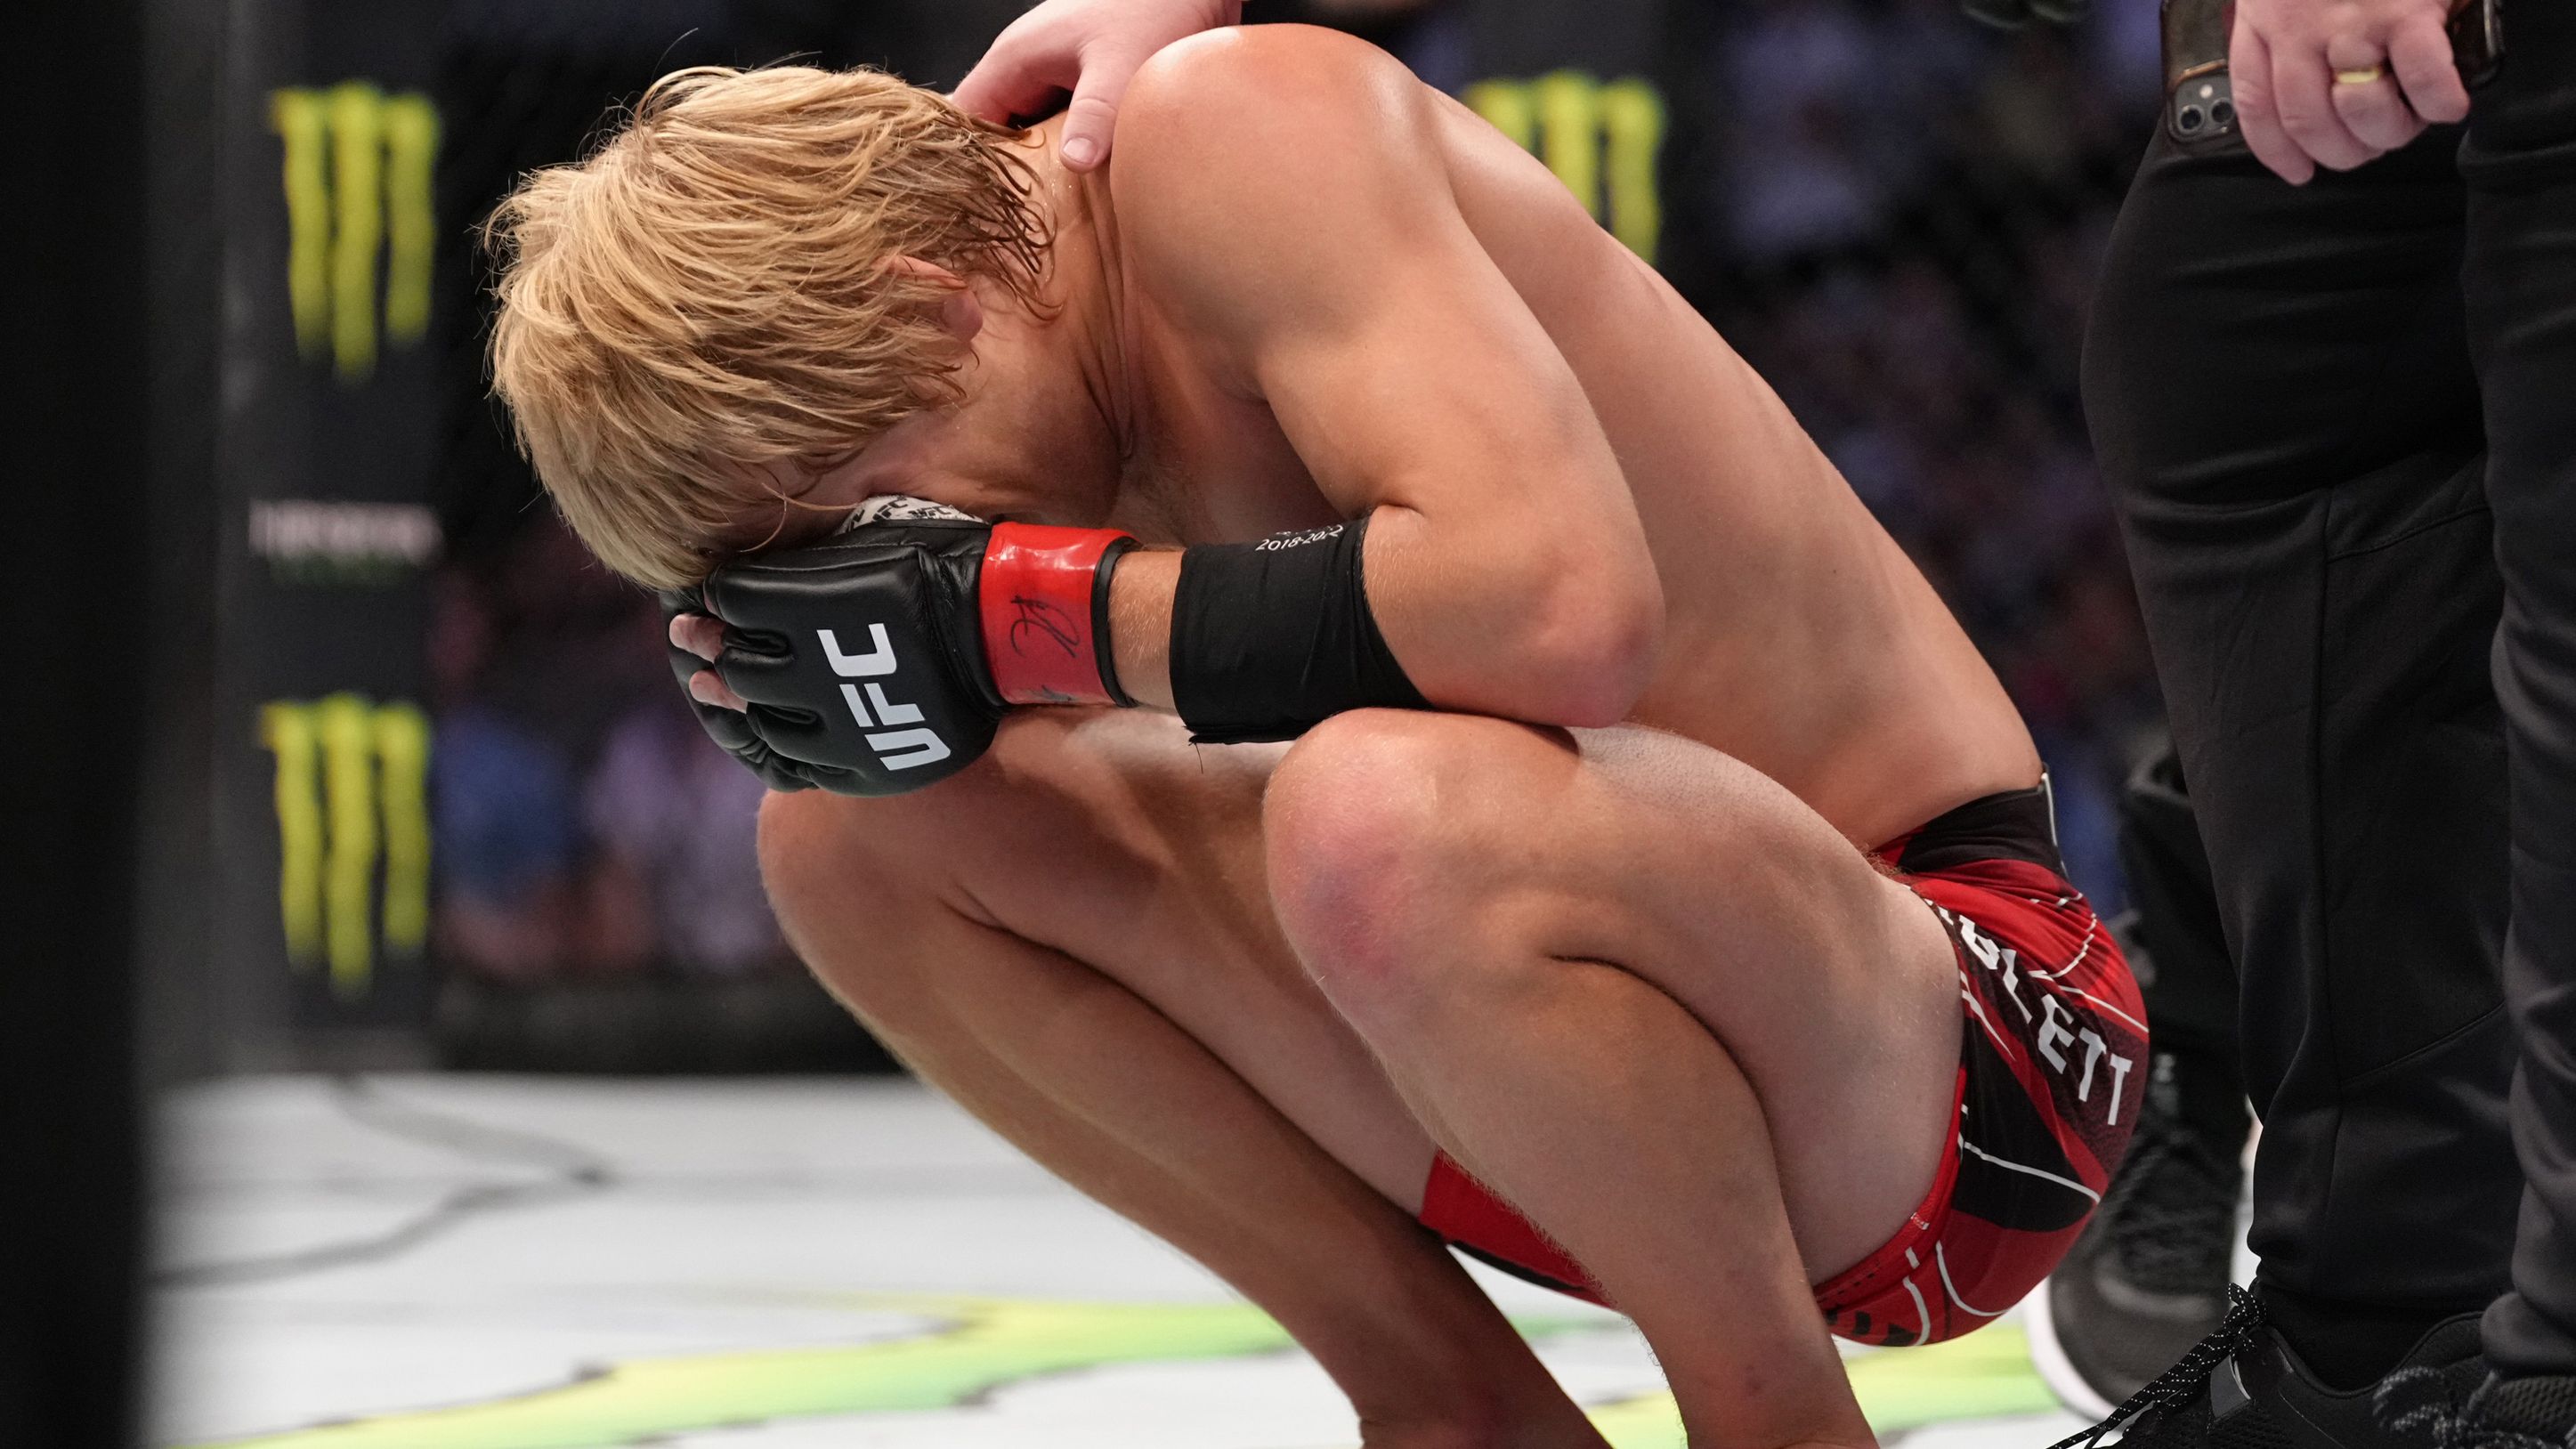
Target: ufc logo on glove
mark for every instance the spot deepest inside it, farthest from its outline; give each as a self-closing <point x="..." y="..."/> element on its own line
<point x="895" y="749"/>
<point x="976" y="617"/>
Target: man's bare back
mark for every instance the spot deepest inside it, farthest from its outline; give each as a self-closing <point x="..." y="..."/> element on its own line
<point x="1794" y="634"/>
<point x="1798" y="637"/>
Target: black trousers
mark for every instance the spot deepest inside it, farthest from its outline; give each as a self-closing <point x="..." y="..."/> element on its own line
<point x="2339" y="424"/>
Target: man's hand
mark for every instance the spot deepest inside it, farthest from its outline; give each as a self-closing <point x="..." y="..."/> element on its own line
<point x="1090" y="48"/>
<point x="695" y="641"/>
<point x="855" y="663"/>
<point x="881" y="660"/>
<point x="2337" y="83"/>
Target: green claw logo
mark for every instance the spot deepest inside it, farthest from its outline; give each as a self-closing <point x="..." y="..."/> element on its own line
<point x="1601" y="140"/>
<point x="352" y="795"/>
<point x="358" y="183"/>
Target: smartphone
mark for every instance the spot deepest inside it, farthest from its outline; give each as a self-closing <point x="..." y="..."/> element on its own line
<point x="2477" y="39"/>
<point x="2200" y="105"/>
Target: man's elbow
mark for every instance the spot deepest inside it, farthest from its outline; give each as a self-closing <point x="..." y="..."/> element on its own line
<point x="1590" y="650"/>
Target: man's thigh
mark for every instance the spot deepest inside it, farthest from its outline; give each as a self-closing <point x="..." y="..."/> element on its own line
<point x="1108" y="837"/>
<point x="1832" y="986"/>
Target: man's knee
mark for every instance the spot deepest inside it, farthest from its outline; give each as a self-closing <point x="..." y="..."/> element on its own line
<point x="1372" y="829"/>
<point x="817" y="848"/>
<point x="833" y="881"/>
<point x="859" y="885"/>
<point x="1044" y="823"/>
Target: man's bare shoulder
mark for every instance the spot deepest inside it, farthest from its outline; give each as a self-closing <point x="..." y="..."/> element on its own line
<point x="1267" y="151"/>
<point x="1271" y="81"/>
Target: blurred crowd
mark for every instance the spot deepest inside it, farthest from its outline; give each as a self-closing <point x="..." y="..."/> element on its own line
<point x="1900" y="217"/>
<point x="1894" y="214"/>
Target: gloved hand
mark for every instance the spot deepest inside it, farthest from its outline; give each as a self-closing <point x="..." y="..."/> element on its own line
<point x="2014" y="14"/>
<point x="881" y="660"/>
<point x="729" y="728"/>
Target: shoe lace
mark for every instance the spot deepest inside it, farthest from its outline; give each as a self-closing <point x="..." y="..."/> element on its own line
<point x="2420" y="1402"/>
<point x="2186" y="1380"/>
<point x="2171" y="1212"/>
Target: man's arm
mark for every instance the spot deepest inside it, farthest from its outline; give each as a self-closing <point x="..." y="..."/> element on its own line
<point x="1314" y="239"/>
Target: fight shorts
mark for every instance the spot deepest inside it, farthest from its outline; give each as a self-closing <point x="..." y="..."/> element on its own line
<point x="2051" y="1073"/>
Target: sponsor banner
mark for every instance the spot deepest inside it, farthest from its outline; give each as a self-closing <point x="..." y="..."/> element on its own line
<point x="332" y="542"/>
<point x="358" y="166"/>
<point x="332" y="428"/>
<point x="353" y="833"/>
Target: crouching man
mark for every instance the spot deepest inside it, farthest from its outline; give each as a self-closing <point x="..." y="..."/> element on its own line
<point x="1601" y="850"/>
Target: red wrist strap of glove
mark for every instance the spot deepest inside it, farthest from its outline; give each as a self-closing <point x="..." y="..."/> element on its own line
<point x="1045" y="605"/>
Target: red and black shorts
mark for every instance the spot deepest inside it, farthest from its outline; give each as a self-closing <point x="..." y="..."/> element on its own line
<point x="2052" y="1070"/>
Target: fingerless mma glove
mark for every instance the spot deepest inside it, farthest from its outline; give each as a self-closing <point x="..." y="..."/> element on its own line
<point x="730" y="729"/>
<point x="881" y="660"/>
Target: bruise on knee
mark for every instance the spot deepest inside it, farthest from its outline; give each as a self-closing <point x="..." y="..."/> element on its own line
<point x="1349" y="825"/>
<point x="1375" y="832"/>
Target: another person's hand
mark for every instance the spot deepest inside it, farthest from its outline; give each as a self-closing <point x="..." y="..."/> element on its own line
<point x="2337" y="83"/>
<point x="1090" y="48"/>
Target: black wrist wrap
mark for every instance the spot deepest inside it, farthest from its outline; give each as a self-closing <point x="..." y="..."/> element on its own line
<point x="1270" y="638"/>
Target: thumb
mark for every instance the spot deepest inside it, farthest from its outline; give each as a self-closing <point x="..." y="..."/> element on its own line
<point x="1093" y="117"/>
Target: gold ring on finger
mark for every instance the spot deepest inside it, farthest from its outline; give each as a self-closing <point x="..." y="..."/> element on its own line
<point x="2363" y="76"/>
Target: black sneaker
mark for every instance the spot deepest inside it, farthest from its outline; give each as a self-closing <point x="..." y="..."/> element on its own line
<point x="2427" y="1408"/>
<point x="2242" y="1388"/>
<point x="2147" y="1279"/>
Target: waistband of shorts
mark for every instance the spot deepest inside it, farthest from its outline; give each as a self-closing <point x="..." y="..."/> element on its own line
<point x="1902" y="1254"/>
<point x="2011" y="825"/>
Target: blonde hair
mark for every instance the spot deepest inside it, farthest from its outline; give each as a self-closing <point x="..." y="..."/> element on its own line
<point x="707" y="294"/>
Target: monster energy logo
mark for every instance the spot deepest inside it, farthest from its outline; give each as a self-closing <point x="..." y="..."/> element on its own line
<point x="352" y="795"/>
<point x="358" y="166"/>
<point x="1601" y="140"/>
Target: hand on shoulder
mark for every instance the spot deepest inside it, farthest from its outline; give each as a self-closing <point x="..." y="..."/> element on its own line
<point x="1089" y="49"/>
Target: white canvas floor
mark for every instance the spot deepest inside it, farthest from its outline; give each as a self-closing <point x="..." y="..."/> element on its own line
<point x="512" y="1263"/>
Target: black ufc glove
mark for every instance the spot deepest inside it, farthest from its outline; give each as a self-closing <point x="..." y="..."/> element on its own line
<point x="730" y="729"/>
<point x="881" y="660"/>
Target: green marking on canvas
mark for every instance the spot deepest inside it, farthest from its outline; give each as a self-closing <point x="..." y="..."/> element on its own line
<point x="979" y="1345"/>
<point x="1986" y="1375"/>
